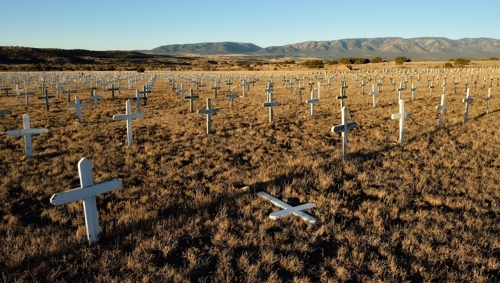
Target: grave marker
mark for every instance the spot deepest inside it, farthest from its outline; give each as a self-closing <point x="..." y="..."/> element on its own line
<point x="191" y="99"/>
<point x="87" y="193"/>
<point x="137" y="99"/>
<point x="95" y="97"/>
<point x="413" y="89"/>
<point x="343" y="128"/>
<point x="402" y="115"/>
<point x="400" y="90"/>
<point x="300" y="89"/>
<point x="442" y="107"/>
<point x="232" y="96"/>
<point x="146" y="91"/>
<point x="209" y="111"/>
<point x="26" y="94"/>
<point x="288" y="209"/>
<point x="341" y="97"/>
<point x="182" y="90"/>
<point x="46" y="97"/>
<point x="312" y="101"/>
<point x="488" y="99"/>
<point x="374" y="93"/>
<point x="112" y="89"/>
<point x="27" y="131"/>
<point x="270" y="103"/>
<point x="128" y="116"/>
<point x="244" y="85"/>
<point x="78" y="105"/>
<point x="215" y="88"/>
<point x="467" y="100"/>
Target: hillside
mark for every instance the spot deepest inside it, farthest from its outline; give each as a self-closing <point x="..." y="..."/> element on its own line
<point x="388" y="47"/>
<point x="27" y="58"/>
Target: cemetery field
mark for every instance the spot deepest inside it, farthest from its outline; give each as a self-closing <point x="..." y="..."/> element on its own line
<point x="188" y="209"/>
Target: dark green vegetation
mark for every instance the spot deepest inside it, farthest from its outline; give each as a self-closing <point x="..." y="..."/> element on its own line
<point x="39" y="59"/>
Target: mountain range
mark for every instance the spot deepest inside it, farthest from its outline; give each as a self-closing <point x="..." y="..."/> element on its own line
<point x="427" y="48"/>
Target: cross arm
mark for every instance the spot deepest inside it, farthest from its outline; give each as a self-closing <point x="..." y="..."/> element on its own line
<point x="340" y="128"/>
<point x="208" y="111"/>
<point x="267" y="104"/>
<point x="398" y="116"/>
<point x="85" y="192"/>
<point x="278" y="214"/>
<point x="128" y="116"/>
<point x="27" y="132"/>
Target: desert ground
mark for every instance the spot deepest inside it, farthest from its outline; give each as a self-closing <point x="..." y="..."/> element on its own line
<point x="188" y="208"/>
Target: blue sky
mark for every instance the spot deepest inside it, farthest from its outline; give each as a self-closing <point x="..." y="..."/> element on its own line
<point x="146" y="24"/>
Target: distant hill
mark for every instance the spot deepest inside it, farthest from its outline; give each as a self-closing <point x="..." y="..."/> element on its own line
<point x="387" y="47"/>
<point x="206" y="48"/>
<point x="46" y="59"/>
<point x="28" y="55"/>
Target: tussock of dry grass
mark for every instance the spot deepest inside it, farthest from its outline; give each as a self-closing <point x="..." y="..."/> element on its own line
<point x="425" y="212"/>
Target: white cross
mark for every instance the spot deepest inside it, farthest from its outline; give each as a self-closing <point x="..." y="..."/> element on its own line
<point x="232" y="96"/>
<point x="191" y="99"/>
<point x="400" y="90"/>
<point x="374" y="93"/>
<point x="209" y="111"/>
<point x="146" y="90"/>
<point x="182" y="90"/>
<point x="401" y="116"/>
<point x="312" y="101"/>
<point x="78" y="105"/>
<point x="46" y="97"/>
<point x="319" y="90"/>
<point x="138" y="99"/>
<point x="413" y="89"/>
<point x="69" y="93"/>
<point x="488" y="99"/>
<point x="215" y="88"/>
<point x="128" y="116"/>
<point x="288" y="209"/>
<point x="95" y="97"/>
<point x="343" y="128"/>
<point x="270" y="103"/>
<point x="269" y="88"/>
<point x="442" y="107"/>
<point x="244" y="84"/>
<point x="26" y="93"/>
<point x="341" y="97"/>
<point x="18" y="91"/>
<point x="467" y="100"/>
<point x="58" y="89"/>
<point x="27" y="132"/>
<point x="113" y="88"/>
<point x="300" y="89"/>
<point x="87" y="192"/>
<point x="431" y="87"/>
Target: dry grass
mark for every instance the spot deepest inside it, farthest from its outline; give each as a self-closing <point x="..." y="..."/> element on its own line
<point x="427" y="212"/>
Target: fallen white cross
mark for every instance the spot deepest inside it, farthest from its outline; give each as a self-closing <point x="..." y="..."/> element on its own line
<point x="288" y="209"/>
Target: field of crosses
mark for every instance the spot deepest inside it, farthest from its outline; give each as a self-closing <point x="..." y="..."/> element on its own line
<point x="374" y="175"/>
